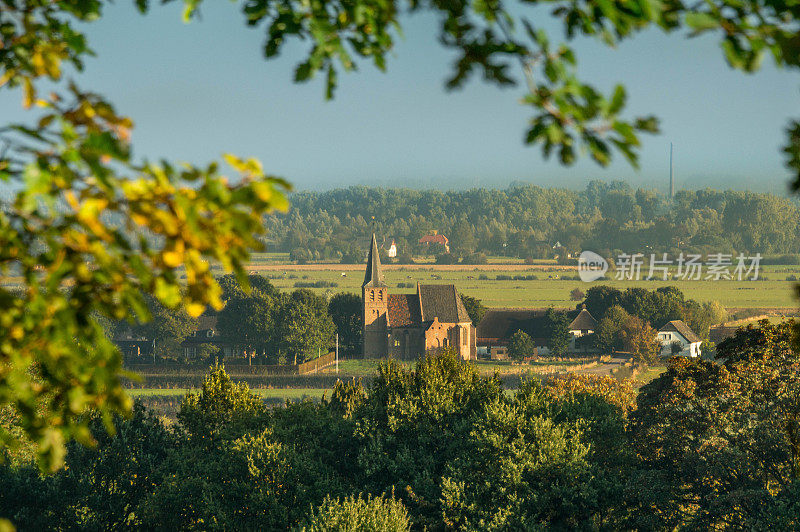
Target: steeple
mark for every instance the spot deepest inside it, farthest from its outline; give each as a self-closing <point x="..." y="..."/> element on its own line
<point x="374" y="276"/>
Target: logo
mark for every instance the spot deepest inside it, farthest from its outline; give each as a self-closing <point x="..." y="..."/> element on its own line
<point x="591" y="266"/>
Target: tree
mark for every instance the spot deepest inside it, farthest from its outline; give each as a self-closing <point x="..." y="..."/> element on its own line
<point x="576" y="294"/>
<point x="474" y="307"/>
<point x="373" y="514"/>
<point x="718" y="441"/>
<point x="304" y="327"/>
<point x="609" y="329"/>
<point x="675" y="347"/>
<point x="168" y="328"/>
<point x="345" y="311"/>
<point x="520" y="345"/>
<point x="557" y="327"/>
<point x="250" y="321"/>
<point x="640" y="339"/>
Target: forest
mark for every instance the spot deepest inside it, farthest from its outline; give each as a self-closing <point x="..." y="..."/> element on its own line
<point x="706" y="445"/>
<point x="528" y="222"/>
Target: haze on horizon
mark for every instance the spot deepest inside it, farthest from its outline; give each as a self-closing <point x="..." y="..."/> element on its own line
<point x="198" y="90"/>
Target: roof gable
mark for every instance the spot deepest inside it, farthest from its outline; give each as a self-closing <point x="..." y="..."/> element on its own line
<point x="681" y="328"/>
<point x="441" y="301"/>
<point x="584" y="321"/>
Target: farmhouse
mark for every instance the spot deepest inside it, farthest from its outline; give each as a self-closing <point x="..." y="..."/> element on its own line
<point x="583" y="325"/>
<point x="407" y="325"/>
<point x="436" y="238"/>
<point x="678" y="332"/>
<point x="498" y="325"/>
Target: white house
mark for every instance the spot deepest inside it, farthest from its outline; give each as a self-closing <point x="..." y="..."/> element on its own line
<point x="583" y="324"/>
<point x="392" y="251"/>
<point x="678" y="331"/>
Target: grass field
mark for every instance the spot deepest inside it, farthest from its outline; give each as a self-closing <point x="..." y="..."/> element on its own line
<point x="547" y="290"/>
<point x="266" y="393"/>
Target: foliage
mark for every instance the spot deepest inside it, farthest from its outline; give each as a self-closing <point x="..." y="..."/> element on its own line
<point x="557" y="329"/>
<point x="609" y="328"/>
<point x="345" y="311"/>
<point x="520" y="345"/>
<point x="355" y="514"/>
<point x="719" y="441"/>
<point x="576" y="294"/>
<point x="656" y="307"/>
<point x="705" y="445"/>
<point x="474" y="307"/>
<point x="304" y="329"/>
<point x="639" y="338"/>
<point x="250" y="320"/>
<point x="525" y="221"/>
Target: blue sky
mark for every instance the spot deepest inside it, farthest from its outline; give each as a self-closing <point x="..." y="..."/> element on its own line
<point x="198" y="90"/>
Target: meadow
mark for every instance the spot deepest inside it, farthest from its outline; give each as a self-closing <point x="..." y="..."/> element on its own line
<point x="549" y="288"/>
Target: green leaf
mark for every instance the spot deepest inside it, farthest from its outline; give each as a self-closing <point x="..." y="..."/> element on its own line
<point x="701" y="21"/>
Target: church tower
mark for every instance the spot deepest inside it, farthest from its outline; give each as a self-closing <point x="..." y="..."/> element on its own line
<point x="375" y="295"/>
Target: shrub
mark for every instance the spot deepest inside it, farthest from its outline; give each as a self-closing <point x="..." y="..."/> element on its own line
<point x="577" y="294"/>
<point x="351" y="514"/>
<point x="315" y="284"/>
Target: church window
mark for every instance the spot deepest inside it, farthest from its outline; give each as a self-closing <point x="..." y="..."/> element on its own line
<point x="372" y="295"/>
<point x="380" y="295"/>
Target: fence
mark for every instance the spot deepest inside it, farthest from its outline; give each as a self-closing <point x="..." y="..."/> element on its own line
<point x="316" y="364"/>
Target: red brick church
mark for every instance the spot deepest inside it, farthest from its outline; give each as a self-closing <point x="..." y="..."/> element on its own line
<point x="407" y="325"/>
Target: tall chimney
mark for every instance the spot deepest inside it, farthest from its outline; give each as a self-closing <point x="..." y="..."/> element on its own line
<point x="671" y="176"/>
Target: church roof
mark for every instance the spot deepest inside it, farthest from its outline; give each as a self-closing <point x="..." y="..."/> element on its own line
<point x="583" y="321"/>
<point x="403" y="310"/>
<point x="442" y="302"/>
<point x="374" y="276"/>
<point x="681" y="328"/>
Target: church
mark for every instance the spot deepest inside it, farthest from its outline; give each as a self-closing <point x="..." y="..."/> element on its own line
<point x="407" y="325"/>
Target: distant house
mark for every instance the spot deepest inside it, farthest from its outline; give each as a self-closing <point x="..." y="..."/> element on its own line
<point x="392" y="251"/>
<point x="436" y="238"/>
<point x="584" y="324"/>
<point x="678" y="331"/>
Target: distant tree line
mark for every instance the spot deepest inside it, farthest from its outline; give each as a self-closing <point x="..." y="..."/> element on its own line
<point x="708" y="445"/>
<point x="530" y="221"/>
<point x="268" y="325"/>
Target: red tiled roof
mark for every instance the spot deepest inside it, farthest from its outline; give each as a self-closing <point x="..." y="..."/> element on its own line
<point x="403" y="310"/>
<point x="433" y="239"/>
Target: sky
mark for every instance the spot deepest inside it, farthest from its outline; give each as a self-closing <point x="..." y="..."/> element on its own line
<point x="201" y="89"/>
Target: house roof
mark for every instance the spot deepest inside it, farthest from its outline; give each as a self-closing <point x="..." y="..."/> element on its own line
<point x="681" y="328"/>
<point x="583" y="321"/>
<point x="403" y="310"/>
<point x="206" y="322"/>
<point x="502" y="323"/>
<point x="441" y="301"/>
<point x="434" y="239"/>
<point x="721" y="332"/>
<point x="374" y="276"/>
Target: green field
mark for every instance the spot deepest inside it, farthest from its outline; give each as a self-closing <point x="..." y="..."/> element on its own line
<point x="266" y="393"/>
<point x="549" y="289"/>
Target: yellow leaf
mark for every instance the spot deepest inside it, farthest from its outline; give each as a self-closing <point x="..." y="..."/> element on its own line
<point x="28" y="93"/>
<point x="195" y="309"/>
